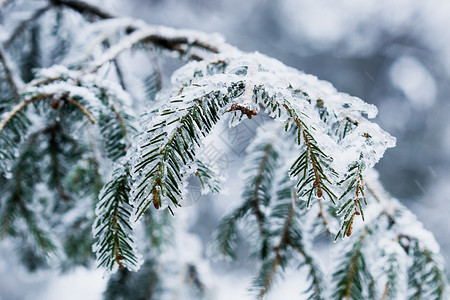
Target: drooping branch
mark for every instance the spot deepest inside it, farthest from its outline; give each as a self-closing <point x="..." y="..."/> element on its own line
<point x="255" y="202"/>
<point x="114" y="246"/>
<point x="276" y="261"/>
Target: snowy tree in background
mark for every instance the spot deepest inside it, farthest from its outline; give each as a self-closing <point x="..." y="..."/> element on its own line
<point x="78" y="155"/>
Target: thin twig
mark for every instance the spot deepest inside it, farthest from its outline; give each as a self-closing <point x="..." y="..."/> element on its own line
<point x="14" y="81"/>
<point x="277" y="249"/>
<point x="322" y="215"/>
<point x="374" y="193"/>
<point x="317" y="182"/>
<point x="21" y="106"/>
<point x="386" y="289"/>
<point x="82" y="108"/>
<point x="45" y="81"/>
<point x="119" y="74"/>
<point x="352" y="269"/>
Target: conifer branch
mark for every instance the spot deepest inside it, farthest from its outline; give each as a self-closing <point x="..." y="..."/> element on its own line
<point x="260" y="170"/>
<point x="426" y="277"/>
<point x="309" y="167"/>
<point x="352" y="276"/>
<point x="316" y="276"/>
<point x="208" y="177"/>
<point x="291" y="212"/>
<point x="353" y="206"/>
<point x="225" y="236"/>
<point x="392" y="268"/>
<point x="165" y="154"/>
<point x="115" y="127"/>
<point x="114" y="246"/>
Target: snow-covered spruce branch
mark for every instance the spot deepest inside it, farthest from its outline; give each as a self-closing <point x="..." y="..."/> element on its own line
<point x="274" y="226"/>
<point x="353" y="206"/>
<point x="391" y="257"/>
<point x="310" y="165"/>
<point x="168" y="148"/>
<point x="274" y="86"/>
<point x="331" y="147"/>
<point x="260" y="168"/>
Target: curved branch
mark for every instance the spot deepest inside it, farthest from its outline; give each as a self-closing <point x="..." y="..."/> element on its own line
<point x="39" y="97"/>
<point x="82" y="108"/>
<point x="83" y="8"/>
<point x="153" y="35"/>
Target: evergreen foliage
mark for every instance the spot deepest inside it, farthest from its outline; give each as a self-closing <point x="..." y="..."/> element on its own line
<point x="78" y="155"/>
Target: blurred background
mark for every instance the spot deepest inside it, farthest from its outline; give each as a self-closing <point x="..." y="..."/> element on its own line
<point x="394" y="54"/>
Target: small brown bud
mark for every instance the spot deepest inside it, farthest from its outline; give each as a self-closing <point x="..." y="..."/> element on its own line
<point x="55" y="104"/>
<point x="349" y="231"/>
<point x="156" y="204"/>
<point x="319" y="192"/>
